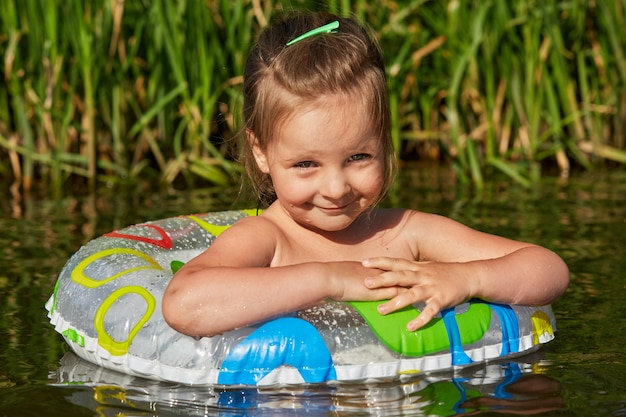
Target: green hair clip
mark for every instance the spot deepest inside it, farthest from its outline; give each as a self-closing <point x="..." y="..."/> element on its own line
<point x="328" y="28"/>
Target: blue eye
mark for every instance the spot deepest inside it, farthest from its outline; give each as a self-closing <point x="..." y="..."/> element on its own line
<point x="359" y="157"/>
<point x="304" y="164"/>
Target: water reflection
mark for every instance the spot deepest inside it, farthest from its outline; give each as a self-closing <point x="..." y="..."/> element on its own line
<point x="511" y="387"/>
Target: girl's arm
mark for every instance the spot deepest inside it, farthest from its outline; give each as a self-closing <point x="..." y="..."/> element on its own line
<point x="457" y="263"/>
<point x="231" y="284"/>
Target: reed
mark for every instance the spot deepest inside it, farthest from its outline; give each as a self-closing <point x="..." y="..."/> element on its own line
<point x="123" y="92"/>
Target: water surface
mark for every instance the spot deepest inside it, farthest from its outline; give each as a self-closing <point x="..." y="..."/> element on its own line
<point x="581" y="373"/>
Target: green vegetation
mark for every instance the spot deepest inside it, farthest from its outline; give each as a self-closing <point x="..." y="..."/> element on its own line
<point x="101" y="91"/>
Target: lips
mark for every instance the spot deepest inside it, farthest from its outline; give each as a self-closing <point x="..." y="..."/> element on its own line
<point x="335" y="209"/>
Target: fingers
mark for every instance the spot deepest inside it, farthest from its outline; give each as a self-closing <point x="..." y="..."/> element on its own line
<point x="398" y="272"/>
<point x="428" y="313"/>
<point x="436" y="284"/>
<point x="389" y="264"/>
<point x="406" y="298"/>
<point x="401" y="300"/>
<point x="385" y="293"/>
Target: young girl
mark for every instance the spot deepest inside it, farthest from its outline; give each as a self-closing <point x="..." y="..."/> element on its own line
<point x="318" y="150"/>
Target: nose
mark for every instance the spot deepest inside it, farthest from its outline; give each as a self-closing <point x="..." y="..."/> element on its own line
<point x="335" y="185"/>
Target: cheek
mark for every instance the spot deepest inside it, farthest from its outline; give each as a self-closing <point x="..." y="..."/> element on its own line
<point x="372" y="183"/>
<point x="292" y="191"/>
<point x="375" y="188"/>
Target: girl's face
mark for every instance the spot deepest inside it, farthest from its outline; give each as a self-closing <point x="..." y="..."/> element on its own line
<point x="326" y="163"/>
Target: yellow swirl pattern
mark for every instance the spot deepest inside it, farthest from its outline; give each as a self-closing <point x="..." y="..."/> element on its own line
<point x="79" y="276"/>
<point x="115" y="347"/>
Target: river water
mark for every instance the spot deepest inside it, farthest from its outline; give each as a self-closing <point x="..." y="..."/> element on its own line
<point x="580" y="373"/>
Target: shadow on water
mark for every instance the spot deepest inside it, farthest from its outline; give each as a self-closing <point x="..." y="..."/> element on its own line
<point x="581" y="373"/>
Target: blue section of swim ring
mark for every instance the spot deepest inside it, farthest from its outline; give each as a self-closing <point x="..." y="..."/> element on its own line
<point x="459" y="357"/>
<point x="285" y="341"/>
<point x="510" y="328"/>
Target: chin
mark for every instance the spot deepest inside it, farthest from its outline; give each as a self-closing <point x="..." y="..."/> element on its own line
<point x="331" y="226"/>
<point x="327" y="222"/>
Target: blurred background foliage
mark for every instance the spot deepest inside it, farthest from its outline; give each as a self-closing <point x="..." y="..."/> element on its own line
<point x="106" y="92"/>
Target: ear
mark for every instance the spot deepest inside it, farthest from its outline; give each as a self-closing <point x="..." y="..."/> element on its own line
<point x="258" y="152"/>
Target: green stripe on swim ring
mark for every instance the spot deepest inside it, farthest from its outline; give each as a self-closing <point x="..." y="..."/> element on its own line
<point x="391" y="328"/>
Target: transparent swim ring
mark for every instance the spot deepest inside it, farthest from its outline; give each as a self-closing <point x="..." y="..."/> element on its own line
<point x="107" y="306"/>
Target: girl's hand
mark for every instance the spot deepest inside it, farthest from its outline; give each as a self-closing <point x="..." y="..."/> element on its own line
<point x="347" y="282"/>
<point x="440" y="285"/>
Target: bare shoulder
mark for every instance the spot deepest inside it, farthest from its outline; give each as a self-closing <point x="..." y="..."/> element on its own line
<point x="251" y="230"/>
<point x="253" y="224"/>
<point x="429" y="220"/>
<point x="251" y="241"/>
<point x="444" y="239"/>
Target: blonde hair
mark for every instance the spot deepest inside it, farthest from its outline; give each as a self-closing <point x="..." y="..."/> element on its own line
<point x="348" y="61"/>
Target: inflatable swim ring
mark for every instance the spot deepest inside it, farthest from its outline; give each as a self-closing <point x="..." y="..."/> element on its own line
<point x="107" y="305"/>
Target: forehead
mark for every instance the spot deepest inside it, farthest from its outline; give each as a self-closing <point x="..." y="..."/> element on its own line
<point x="329" y="124"/>
<point x="341" y="110"/>
<point x="293" y="97"/>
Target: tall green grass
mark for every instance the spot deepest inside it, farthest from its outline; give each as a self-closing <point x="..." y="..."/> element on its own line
<point x="111" y="92"/>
